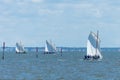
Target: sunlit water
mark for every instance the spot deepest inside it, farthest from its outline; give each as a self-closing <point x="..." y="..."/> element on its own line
<point x="69" y="66"/>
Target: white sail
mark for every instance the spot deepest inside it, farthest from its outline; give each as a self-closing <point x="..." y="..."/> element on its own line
<point x="19" y="48"/>
<point x="49" y="47"/>
<point x="93" y="45"/>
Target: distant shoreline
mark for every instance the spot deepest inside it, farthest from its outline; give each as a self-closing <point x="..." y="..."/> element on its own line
<point x="65" y="49"/>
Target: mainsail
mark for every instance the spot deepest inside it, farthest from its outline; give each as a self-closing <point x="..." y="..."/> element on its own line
<point x="49" y="47"/>
<point x="19" y="48"/>
<point x="93" y="45"/>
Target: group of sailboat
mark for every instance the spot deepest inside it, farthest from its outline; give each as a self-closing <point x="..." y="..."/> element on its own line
<point x="49" y="48"/>
<point x="93" y="47"/>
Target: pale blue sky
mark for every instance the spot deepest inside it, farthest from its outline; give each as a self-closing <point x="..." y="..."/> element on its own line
<point x="65" y="22"/>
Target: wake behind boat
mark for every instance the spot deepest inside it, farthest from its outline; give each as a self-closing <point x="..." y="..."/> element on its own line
<point x="50" y="48"/>
<point x="93" y="47"/>
<point x="19" y="48"/>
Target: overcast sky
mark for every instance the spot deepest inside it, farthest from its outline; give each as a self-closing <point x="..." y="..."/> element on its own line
<point x="65" y="22"/>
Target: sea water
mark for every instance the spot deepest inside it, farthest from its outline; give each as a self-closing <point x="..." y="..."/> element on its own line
<point x="68" y="66"/>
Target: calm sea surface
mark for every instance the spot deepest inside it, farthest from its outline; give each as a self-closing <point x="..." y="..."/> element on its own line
<point x="69" y="66"/>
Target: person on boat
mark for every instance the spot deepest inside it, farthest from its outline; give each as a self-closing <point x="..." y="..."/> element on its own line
<point x="96" y="57"/>
<point x="88" y="57"/>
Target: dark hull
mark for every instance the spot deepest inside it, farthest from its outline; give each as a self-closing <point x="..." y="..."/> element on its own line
<point x="91" y="57"/>
<point x="49" y="52"/>
<point x="21" y="52"/>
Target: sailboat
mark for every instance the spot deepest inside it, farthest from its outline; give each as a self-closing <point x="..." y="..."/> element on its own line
<point x="93" y="47"/>
<point x="50" y="48"/>
<point x="19" y="48"/>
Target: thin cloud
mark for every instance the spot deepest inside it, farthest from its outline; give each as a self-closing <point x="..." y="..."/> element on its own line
<point x="37" y="1"/>
<point x="49" y="12"/>
<point x="7" y="1"/>
<point x="80" y="9"/>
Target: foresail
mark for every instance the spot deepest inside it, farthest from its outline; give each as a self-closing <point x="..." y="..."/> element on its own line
<point x="90" y="49"/>
<point x="99" y="53"/>
<point x="17" y="49"/>
<point x="46" y="48"/>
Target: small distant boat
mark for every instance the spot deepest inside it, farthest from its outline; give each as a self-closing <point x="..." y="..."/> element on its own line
<point x="93" y="47"/>
<point x="50" y="48"/>
<point x="19" y="48"/>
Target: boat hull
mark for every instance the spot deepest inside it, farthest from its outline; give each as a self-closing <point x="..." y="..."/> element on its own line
<point x="21" y="52"/>
<point x="49" y="52"/>
<point x="86" y="57"/>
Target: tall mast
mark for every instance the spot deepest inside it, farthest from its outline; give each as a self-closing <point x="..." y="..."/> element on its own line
<point x="97" y="41"/>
